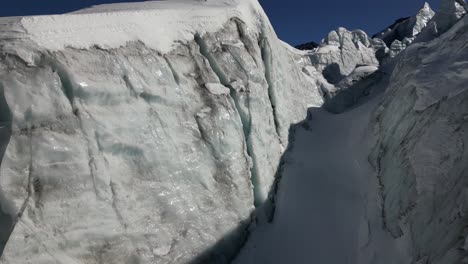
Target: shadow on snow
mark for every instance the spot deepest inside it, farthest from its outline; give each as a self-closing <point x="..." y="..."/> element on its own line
<point x="226" y="249"/>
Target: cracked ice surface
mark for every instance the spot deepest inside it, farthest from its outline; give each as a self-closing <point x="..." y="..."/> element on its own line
<point x="130" y="154"/>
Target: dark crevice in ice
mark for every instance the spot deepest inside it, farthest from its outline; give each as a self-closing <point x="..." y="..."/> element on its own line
<point x="248" y="43"/>
<point x="205" y="52"/>
<point x="7" y="221"/>
<point x="246" y="122"/>
<point x="229" y="247"/>
<point x="29" y="188"/>
<point x="130" y="87"/>
<point x="267" y="61"/>
<point x="173" y="71"/>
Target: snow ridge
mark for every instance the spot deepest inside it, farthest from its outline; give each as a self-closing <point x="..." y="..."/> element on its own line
<point x="158" y="24"/>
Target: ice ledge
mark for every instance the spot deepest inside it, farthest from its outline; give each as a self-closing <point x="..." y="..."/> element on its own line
<point x="160" y="25"/>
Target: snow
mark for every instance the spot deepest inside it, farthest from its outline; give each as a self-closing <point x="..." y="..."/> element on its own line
<point x="328" y="49"/>
<point x="327" y="201"/>
<point x="160" y="25"/>
<point x="423" y="17"/>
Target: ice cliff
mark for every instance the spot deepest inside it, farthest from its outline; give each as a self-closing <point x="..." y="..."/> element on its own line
<point x="142" y="133"/>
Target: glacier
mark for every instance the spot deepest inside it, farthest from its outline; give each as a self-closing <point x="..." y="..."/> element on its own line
<point x="187" y="132"/>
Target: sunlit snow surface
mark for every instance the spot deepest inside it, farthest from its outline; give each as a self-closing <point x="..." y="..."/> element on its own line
<point x="158" y="24"/>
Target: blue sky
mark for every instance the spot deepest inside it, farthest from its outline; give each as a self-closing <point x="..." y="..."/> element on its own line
<point x="295" y="21"/>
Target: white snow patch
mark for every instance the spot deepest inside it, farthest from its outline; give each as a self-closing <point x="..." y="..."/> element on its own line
<point x="328" y="49"/>
<point x="217" y="88"/>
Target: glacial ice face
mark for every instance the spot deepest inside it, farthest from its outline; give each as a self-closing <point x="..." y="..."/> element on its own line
<point x="449" y="13"/>
<point x="343" y="61"/>
<point x="402" y="33"/>
<point x="129" y="154"/>
<point x="407" y="28"/>
<point x="109" y="157"/>
<point x="421" y="153"/>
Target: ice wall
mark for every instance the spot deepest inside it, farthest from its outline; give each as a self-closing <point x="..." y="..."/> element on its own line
<point x="127" y="151"/>
<point x="421" y="155"/>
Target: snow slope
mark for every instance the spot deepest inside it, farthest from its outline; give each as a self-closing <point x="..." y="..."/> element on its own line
<point x="326" y="204"/>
